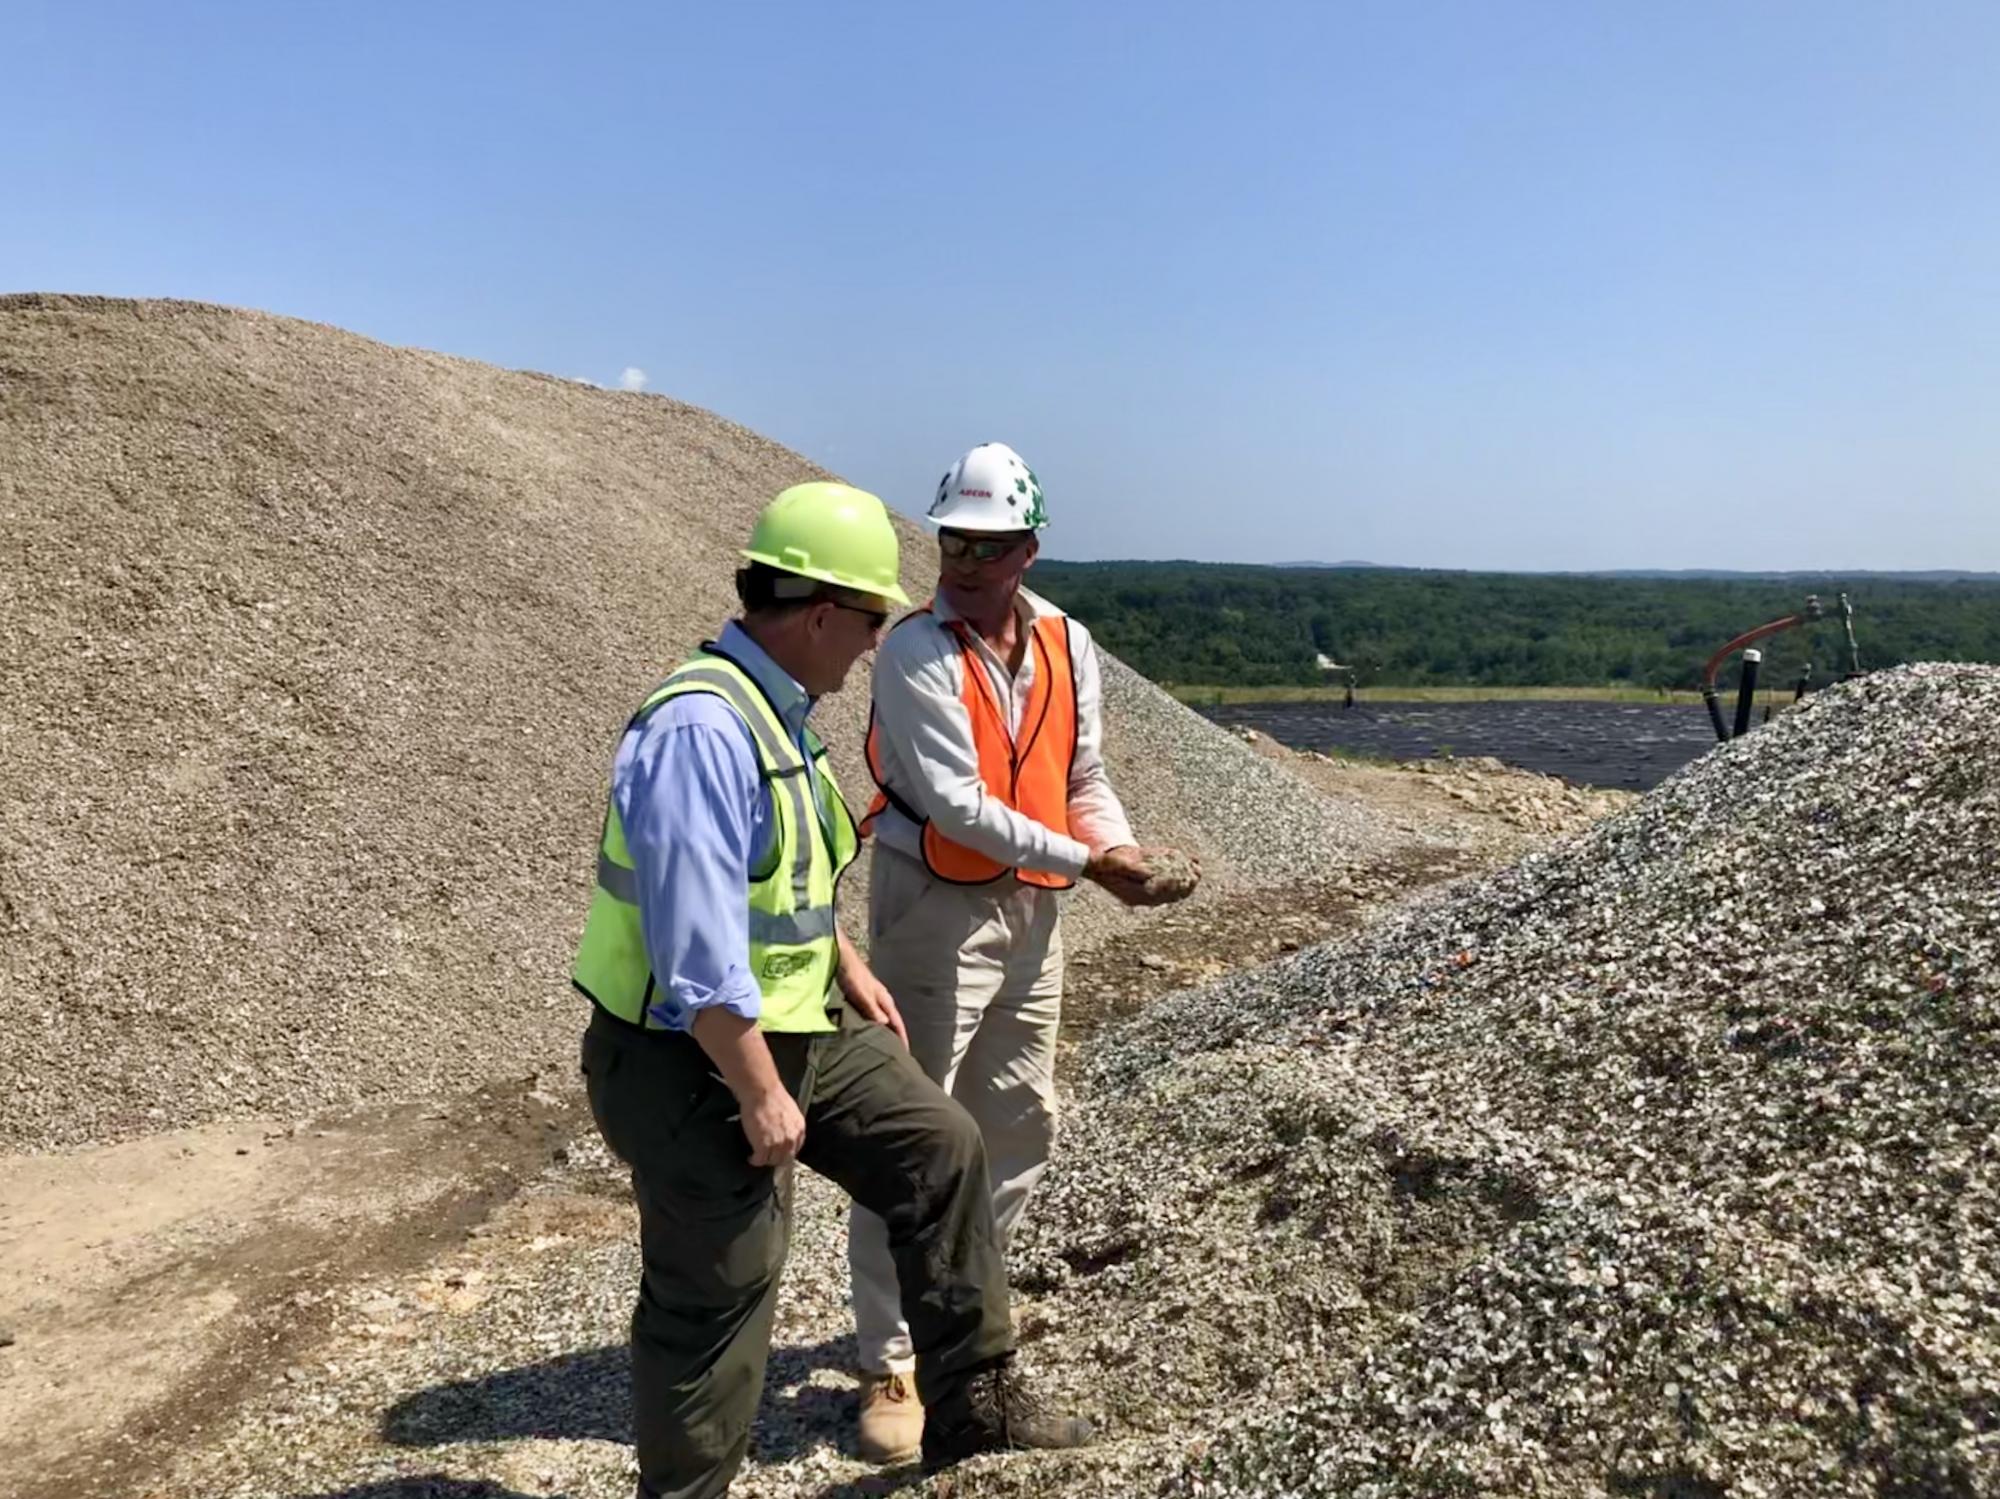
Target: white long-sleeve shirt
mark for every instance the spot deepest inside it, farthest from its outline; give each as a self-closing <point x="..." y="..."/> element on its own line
<point x="928" y="757"/>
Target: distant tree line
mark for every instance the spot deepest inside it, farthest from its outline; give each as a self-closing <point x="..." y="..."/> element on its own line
<point x="1229" y="624"/>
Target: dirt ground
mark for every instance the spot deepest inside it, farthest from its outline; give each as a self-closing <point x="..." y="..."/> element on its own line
<point x="145" y="1287"/>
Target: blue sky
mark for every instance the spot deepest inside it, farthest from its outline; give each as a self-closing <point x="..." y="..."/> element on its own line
<point x="1511" y="285"/>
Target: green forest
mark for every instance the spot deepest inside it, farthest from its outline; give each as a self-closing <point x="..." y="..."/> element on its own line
<point x="1184" y="623"/>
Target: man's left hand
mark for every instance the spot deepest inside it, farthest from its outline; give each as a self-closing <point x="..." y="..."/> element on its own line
<point x="868" y="994"/>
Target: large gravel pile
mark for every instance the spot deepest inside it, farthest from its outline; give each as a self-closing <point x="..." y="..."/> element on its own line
<point x="314" y="654"/>
<point x="1660" y="1164"/>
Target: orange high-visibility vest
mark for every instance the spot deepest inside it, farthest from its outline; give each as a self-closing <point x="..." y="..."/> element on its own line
<point x="1031" y="777"/>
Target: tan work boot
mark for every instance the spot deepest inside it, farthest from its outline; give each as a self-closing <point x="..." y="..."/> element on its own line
<point x="892" y="1420"/>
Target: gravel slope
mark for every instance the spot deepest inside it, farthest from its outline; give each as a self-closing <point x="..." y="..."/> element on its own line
<point x="1660" y="1164"/>
<point x="315" y="650"/>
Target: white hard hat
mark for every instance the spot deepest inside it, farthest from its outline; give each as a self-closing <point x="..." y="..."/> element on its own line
<point x="989" y="489"/>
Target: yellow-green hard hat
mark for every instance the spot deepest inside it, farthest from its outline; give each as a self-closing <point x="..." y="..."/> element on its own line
<point x="832" y="532"/>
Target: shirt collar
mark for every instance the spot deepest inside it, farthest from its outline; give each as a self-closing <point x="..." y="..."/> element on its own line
<point x="1027" y="607"/>
<point x="786" y="695"/>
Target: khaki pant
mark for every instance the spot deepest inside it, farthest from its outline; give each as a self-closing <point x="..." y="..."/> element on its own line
<point x="977" y="973"/>
<point x="713" y="1229"/>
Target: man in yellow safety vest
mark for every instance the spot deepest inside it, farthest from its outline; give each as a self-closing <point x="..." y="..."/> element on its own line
<point x="734" y="1029"/>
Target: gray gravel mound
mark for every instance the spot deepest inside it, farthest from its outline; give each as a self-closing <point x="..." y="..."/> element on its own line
<point x="1253" y="821"/>
<point x="315" y="653"/>
<point x="1662" y="1163"/>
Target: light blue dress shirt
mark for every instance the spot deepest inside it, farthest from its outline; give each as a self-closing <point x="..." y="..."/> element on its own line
<point x="698" y="818"/>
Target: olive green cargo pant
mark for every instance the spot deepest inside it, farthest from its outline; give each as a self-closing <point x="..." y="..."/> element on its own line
<point x="713" y="1229"/>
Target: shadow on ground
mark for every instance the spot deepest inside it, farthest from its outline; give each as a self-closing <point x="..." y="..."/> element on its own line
<point x="576" y="1397"/>
<point x="588" y="1397"/>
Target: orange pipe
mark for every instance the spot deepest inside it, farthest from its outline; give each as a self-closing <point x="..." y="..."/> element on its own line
<point x="1750" y="637"/>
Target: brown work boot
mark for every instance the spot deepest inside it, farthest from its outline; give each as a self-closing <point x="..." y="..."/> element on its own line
<point x="992" y="1410"/>
<point x="892" y="1422"/>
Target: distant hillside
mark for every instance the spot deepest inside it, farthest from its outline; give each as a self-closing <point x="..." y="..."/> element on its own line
<point x="1934" y="575"/>
<point x="1242" y="624"/>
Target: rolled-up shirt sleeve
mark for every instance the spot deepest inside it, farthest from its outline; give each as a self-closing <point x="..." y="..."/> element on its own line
<point x="1096" y="816"/>
<point x="919" y="714"/>
<point x="687" y="789"/>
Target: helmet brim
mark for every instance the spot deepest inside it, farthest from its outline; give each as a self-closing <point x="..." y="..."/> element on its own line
<point x="892" y="592"/>
<point x="935" y="524"/>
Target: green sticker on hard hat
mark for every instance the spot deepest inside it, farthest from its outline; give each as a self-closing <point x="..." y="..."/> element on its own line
<point x="1038" y="515"/>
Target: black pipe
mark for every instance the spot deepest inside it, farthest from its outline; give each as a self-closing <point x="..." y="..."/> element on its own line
<point x="1746" y="691"/>
<point x="1714" y="707"/>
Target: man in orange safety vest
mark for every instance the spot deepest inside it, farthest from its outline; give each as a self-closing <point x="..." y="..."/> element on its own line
<point x="985" y="742"/>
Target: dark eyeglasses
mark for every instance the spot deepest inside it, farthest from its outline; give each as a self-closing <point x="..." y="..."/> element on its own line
<point x="878" y="619"/>
<point x="979" y="548"/>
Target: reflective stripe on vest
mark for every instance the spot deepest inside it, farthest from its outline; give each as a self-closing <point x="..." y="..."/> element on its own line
<point x="1032" y="778"/>
<point x="793" y="947"/>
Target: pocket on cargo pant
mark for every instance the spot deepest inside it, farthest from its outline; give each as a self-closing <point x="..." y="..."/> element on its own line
<point x="643" y="1093"/>
<point x="897" y="887"/>
<point x="598" y="1061"/>
<point x="714" y="1236"/>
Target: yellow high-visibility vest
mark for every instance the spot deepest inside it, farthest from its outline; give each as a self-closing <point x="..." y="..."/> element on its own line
<point x="793" y="951"/>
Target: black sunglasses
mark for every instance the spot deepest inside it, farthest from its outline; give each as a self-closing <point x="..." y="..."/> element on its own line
<point x="878" y="619"/>
<point x="979" y="548"/>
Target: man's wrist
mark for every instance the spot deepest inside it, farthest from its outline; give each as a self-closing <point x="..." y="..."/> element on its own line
<point x="754" y="1089"/>
<point x="1099" y="859"/>
<point x="1070" y="857"/>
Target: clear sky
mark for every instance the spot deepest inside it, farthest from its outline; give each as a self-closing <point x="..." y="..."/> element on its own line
<point x="1497" y="284"/>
